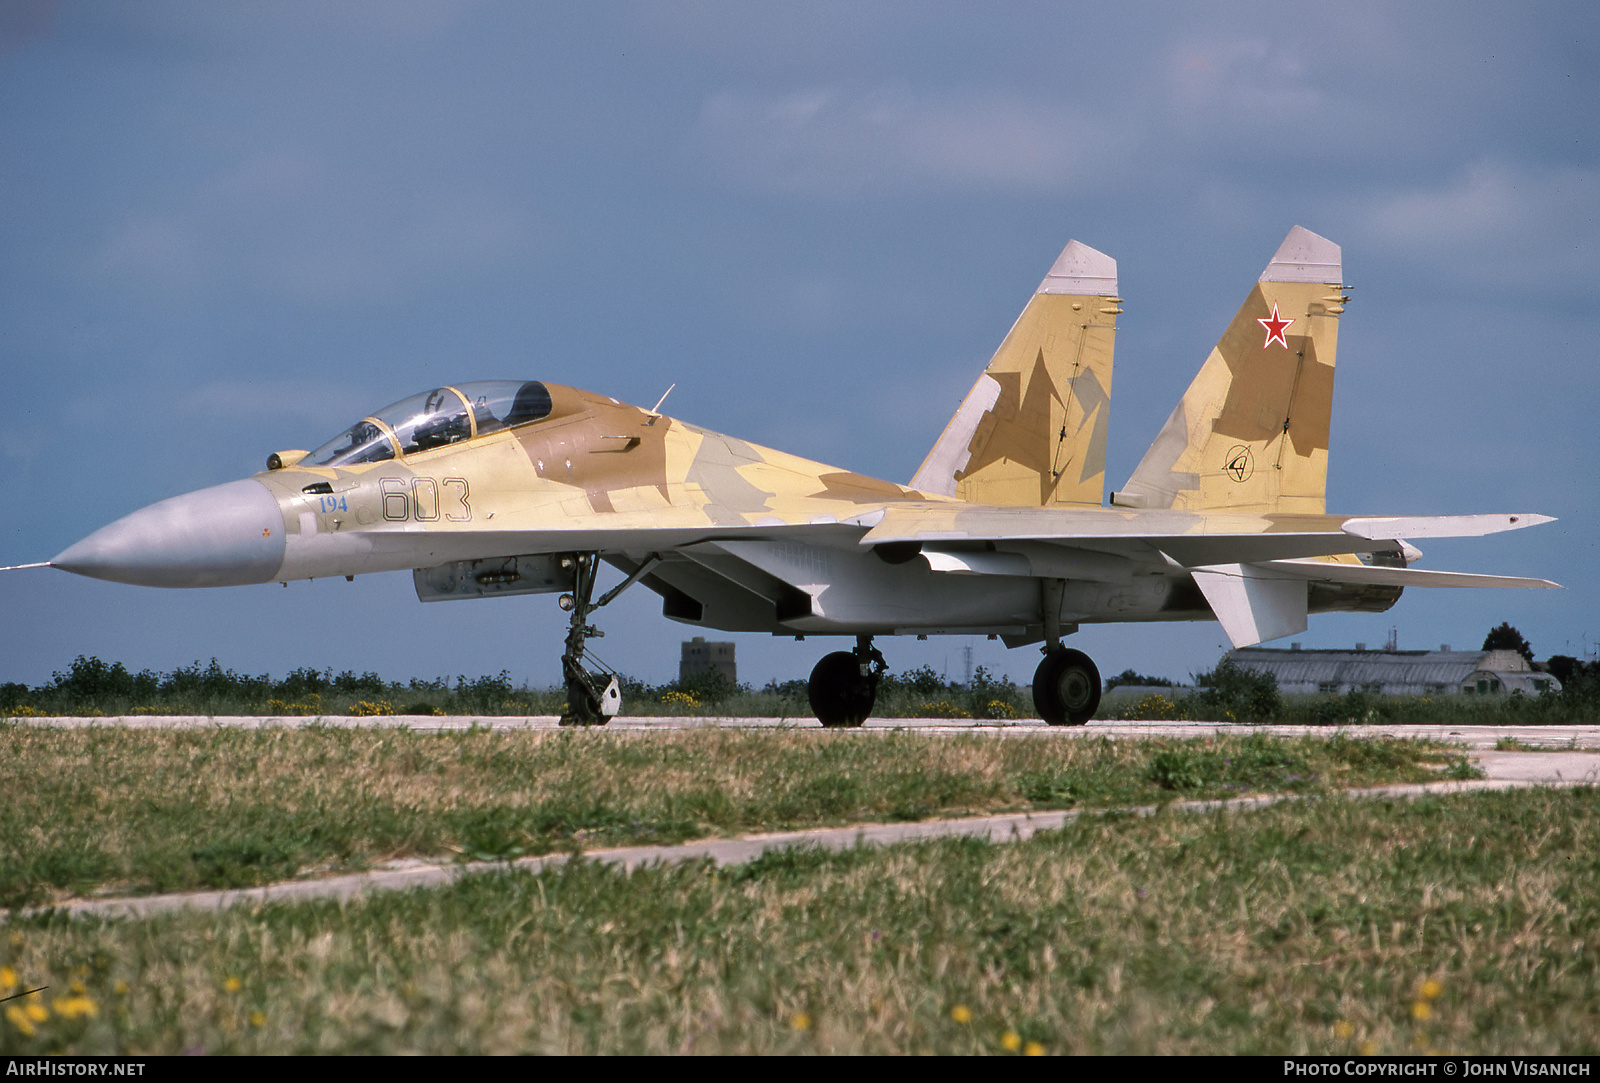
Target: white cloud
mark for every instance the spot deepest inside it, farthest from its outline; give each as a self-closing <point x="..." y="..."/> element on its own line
<point x="835" y="141"/>
<point x="234" y="399"/>
<point x="1250" y="80"/>
<point x="268" y="175"/>
<point x="153" y="253"/>
<point x="347" y="252"/>
<point x="285" y="24"/>
<point x="321" y="234"/>
<point x="1487" y="201"/>
<point x="1498" y="224"/>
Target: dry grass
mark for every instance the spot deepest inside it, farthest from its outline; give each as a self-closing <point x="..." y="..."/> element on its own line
<point x="98" y="810"/>
<point x="1467" y="924"/>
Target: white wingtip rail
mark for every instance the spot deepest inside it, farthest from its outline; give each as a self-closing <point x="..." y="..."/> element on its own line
<point x="1440" y="526"/>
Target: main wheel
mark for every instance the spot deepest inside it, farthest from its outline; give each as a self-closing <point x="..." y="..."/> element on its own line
<point x="1066" y="688"/>
<point x="840" y="695"/>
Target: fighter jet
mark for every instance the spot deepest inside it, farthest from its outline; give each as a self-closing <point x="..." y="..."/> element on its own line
<point x="491" y="488"/>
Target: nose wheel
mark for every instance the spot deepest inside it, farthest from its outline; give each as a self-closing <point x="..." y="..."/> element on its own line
<point x="1066" y="688"/>
<point x="844" y="685"/>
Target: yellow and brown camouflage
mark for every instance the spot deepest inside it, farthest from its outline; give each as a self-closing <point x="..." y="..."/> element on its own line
<point x="511" y="487"/>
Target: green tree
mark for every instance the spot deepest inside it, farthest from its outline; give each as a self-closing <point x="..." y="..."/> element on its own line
<point x="1128" y="676"/>
<point x="1506" y="638"/>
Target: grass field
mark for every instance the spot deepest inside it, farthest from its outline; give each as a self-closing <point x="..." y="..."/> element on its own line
<point x="1462" y="924"/>
<point x="118" y="810"/>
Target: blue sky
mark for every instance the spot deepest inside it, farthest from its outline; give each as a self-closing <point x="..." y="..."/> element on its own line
<point x="231" y="228"/>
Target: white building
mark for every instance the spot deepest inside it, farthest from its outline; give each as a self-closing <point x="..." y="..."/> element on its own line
<point x="1443" y="672"/>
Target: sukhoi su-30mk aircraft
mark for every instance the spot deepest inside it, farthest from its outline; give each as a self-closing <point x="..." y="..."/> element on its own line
<point x="523" y="487"/>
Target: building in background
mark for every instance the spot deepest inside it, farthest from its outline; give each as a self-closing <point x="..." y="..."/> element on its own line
<point x="700" y="656"/>
<point x="1391" y="672"/>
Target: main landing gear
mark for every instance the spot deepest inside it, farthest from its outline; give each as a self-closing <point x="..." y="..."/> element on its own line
<point x="594" y="696"/>
<point x="1066" y="687"/>
<point x="844" y="685"/>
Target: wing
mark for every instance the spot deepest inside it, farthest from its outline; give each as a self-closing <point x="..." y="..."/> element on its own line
<point x="1257" y="573"/>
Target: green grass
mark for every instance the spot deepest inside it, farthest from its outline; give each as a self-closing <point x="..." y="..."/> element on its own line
<point x="1467" y="924"/>
<point x="97" y="810"/>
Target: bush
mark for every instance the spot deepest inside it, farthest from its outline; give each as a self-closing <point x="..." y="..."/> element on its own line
<point x="1231" y="693"/>
<point x="89" y="679"/>
<point x="1129" y="676"/>
<point x="922" y="681"/>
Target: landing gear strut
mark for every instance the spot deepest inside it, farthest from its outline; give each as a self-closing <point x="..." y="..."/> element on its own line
<point x="844" y="685"/>
<point x="1066" y="686"/>
<point x="593" y="696"/>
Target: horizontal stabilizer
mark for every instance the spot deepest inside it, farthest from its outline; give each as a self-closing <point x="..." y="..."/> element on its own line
<point x="1252" y="603"/>
<point x="1441" y="526"/>
<point x="1400" y="577"/>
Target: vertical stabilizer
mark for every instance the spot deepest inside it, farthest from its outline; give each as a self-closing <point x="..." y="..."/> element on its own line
<point x="1251" y="433"/>
<point x="1032" y="431"/>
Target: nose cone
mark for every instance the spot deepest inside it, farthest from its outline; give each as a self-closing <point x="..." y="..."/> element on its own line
<point x="218" y="537"/>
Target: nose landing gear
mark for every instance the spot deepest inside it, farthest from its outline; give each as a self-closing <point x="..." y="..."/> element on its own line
<point x="593" y="696"/>
<point x="844" y="685"/>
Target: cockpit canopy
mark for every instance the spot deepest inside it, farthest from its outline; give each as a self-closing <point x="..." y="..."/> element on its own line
<point x="445" y="415"/>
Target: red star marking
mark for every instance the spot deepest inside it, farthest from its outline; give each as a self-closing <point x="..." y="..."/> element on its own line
<point x="1276" y="326"/>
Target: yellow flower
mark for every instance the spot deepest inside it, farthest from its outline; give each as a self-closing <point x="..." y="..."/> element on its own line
<point x="258" y="1018"/>
<point x="37" y="1012"/>
<point x="233" y="984"/>
<point x="8" y="978"/>
<point x="1033" y="1049"/>
<point x="1421" y="1010"/>
<point x="19" y="1019"/>
<point x="121" y="988"/>
<point x="1011" y="1041"/>
<point x="1344" y="1029"/>
<point x="75" y="1006"/>
<point x="1368" y="1048"/>
<point x="1431" y="989"/>
<point x="800" y="1021"/>
<point x="961" y="1013"/>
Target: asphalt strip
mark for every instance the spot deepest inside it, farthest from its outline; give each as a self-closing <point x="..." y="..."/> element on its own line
<point x="1509" y="770"/>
